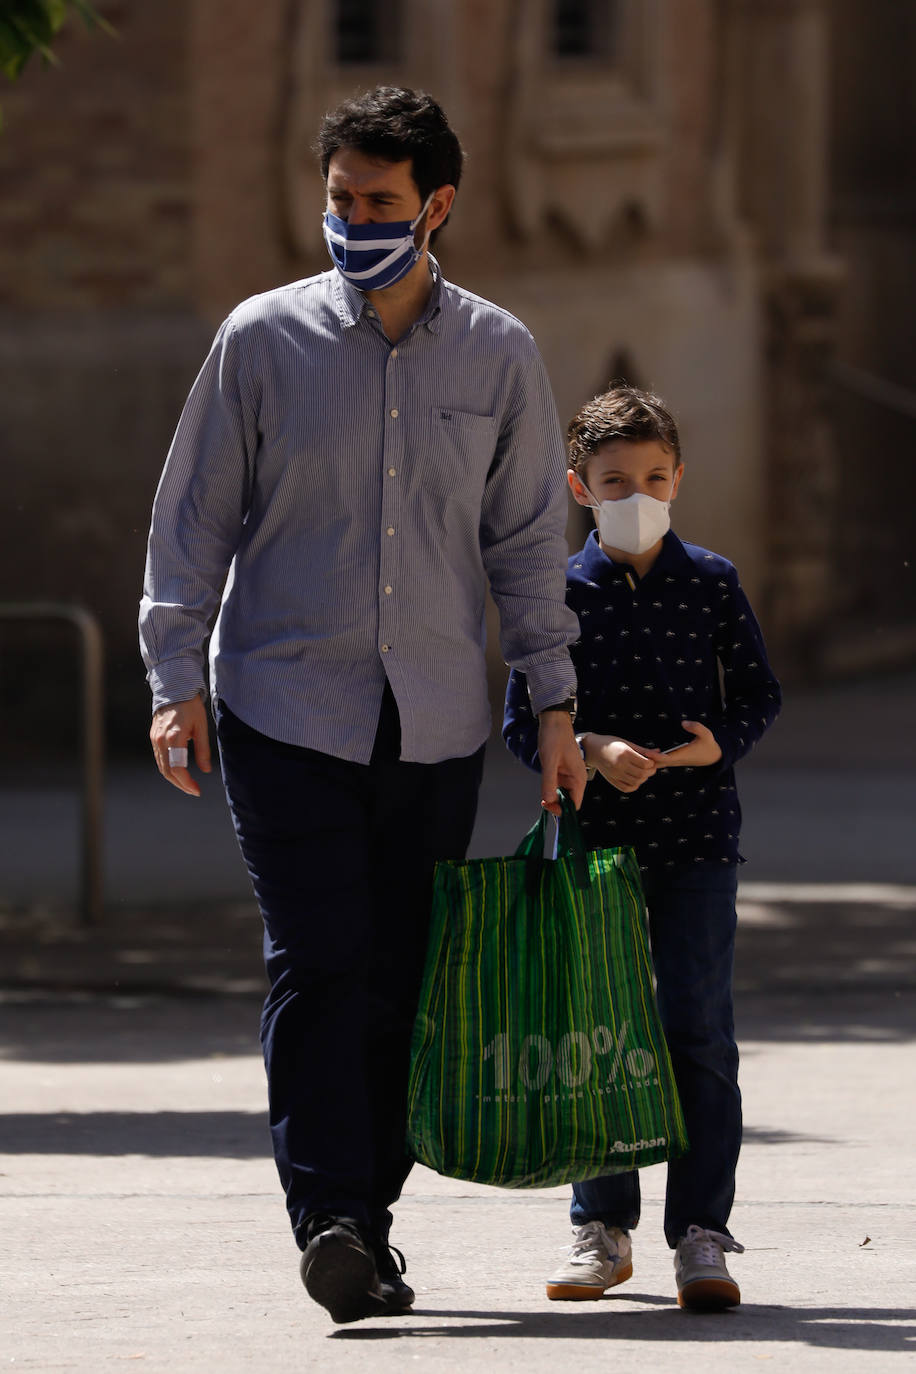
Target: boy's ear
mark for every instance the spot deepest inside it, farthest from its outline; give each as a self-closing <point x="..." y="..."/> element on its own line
<point x="578" y="490"/>
<point x="678" y="474"/>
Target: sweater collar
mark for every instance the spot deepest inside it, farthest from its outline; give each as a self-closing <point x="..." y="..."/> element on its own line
<point x="593" y="565"/>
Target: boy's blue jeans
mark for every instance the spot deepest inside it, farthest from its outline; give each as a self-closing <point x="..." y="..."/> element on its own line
<point x="692" y="924"/>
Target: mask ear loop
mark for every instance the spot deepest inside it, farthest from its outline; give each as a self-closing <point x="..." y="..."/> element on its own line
<point x="596" y="505"/>
<point x="415" y="222"/>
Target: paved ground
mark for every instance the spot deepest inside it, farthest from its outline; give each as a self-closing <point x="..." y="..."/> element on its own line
<point x="142" y="1221"/>
<point x="140" y="1215"/>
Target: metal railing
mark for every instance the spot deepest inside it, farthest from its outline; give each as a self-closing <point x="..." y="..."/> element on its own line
<point x="91" y="738"/>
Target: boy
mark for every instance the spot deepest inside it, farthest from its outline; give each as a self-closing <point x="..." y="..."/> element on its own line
<point x="670" y="659"/>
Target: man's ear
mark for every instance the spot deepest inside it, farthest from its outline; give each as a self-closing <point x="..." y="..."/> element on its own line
<point x="439" y="208"/>
<point x="577" y="488"/>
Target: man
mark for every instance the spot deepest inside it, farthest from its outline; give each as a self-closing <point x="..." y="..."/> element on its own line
<point x="361" y="452"/>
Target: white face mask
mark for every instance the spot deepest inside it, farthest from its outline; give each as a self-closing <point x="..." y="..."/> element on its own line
<point x="634" y="524"/>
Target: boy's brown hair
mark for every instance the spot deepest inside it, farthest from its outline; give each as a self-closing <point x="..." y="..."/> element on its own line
<point x="622" y="412"/>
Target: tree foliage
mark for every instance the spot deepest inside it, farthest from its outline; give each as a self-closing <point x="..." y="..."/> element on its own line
<point x="30" y="26"/>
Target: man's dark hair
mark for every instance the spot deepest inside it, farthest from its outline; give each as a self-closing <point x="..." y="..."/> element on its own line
<point x="394" y="124"/>
<point x="622" y="412"/>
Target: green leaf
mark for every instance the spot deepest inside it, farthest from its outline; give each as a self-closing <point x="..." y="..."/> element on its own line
<point x="15" y="49"/>
<point x="91" y="17"/>
<point x="29" y="26"/>
<point x="28" y="30"/>
<point x="32" y="18"/>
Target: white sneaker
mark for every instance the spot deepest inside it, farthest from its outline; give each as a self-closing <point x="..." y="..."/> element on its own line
<point x="703" y="1282"/>
<point x="600" y="1257"/>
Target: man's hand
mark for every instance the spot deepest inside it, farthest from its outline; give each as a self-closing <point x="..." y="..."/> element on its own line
<point x="562" y="764"/>
<point x="175" y="727"/>
<point x="700" y="752"/>
<point x="625" y="766"/>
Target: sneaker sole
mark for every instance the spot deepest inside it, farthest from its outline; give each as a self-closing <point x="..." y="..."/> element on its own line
<point x="338" y="1276"/>
<point x="709" y="1295"/>
<point x="587" y="1292"/>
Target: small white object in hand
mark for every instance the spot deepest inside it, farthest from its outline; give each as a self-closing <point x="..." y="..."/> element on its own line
<point x="178" y="758"/>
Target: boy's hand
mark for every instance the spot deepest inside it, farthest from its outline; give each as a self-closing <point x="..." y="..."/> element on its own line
<point x="562" y="764"/>
<point x="625" y="765"/>
<point x="699" y="753"/>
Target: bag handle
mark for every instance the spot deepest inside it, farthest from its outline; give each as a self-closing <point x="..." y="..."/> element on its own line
<point x="565" y="842"/>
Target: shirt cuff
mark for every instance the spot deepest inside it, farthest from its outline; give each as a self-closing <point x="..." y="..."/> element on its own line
<point x="550" y="683"/>
<point x="177" y="679"/>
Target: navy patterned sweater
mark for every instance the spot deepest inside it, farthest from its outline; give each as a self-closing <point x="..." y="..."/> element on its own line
<point x="682" y="643"/>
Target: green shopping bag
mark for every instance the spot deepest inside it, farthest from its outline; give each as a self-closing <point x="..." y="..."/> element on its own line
<point x="538" y="1057"/>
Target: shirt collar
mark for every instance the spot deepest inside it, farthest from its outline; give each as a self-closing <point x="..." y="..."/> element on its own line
<point x="350" y="302"/>
<point x="432" y="315"/>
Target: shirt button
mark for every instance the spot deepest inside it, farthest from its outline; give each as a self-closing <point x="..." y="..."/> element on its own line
<point x="394" y="353"/>
<point x="390" y="529"/>
<point x="393" y="414"/>
<point x="371" y="314"/>
<point x="385" y="648"/>
<point x="391" y="472"/>
<point x="387" y="591"/>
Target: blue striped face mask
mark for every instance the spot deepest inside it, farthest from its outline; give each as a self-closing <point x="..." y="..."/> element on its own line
<point x="373" y="256"/>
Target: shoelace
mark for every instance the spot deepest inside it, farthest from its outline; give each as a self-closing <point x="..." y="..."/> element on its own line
<point x="589" y="1245"/>
<point x="707" y="1241"/>
<point x="386" y="1262"/>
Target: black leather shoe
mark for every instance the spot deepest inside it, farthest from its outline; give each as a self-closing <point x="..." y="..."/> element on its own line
<point x="390" y="1263"/>
<point x="338" y="1270"/>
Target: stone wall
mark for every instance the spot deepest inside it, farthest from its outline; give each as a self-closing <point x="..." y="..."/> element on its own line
<point x="95" y="169"/>
<point x="99" y="342"/>
<point x="644" y="214"/>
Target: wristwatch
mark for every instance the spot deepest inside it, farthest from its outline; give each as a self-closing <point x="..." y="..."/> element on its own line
<point x="570" y="706"/>
<point x="589" y="767"/>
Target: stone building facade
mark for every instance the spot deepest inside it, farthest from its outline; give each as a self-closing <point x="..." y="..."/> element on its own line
<point x="670" y="190"/>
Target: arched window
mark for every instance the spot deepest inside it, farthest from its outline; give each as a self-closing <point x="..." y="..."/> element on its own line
<point x="584" y="28"/>
<point x="366" y="31"/>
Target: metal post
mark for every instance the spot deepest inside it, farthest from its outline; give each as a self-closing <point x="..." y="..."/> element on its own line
<point x="92" y="739"/>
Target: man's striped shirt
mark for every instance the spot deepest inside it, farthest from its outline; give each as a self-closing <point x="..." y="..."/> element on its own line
<point x="343" y="502"/>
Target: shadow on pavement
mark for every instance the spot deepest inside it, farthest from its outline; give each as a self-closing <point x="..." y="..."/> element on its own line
<point x="826" y="963"/>
<point x="86" y="1028"/>
<point x="846" y="1328"/>
<point x="216" y="1135"/>
<point x="819" y="963"/>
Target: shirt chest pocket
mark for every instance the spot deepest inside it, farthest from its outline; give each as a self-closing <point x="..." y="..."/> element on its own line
<point x="459" y="450"/>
